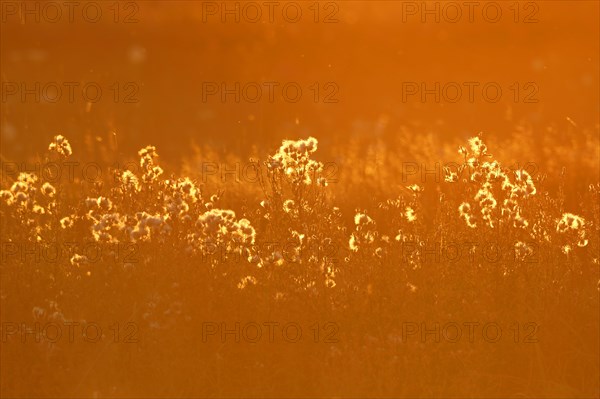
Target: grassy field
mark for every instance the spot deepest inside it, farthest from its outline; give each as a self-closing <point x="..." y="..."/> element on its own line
<point x="474" y="277"/>
<point x="412" y="211"/>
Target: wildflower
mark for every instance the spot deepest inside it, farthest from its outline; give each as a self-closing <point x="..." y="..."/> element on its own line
<point x="493" y="171"/>
<point x="100" y="204"/>
<point x="274" y="164"/>
<point x="361" y="218"/>
<point x="288" y="206"/>
<point x="524" y="186"/>
<point x="464" y="208"/>
<point x="364" y="234"/>
<point x="506" y="184"/>
<point x="400" y="236"/>
<point x="21" y="197"/>
<point x="277" y="258"/>
<point x="299" y="237"/>
<point x="213" y="221"/>
<point x="66" y="222"/>
<point x="61" y="146"/>
<point x="293" y="159"/>
<point x="573" y="227"/>
<point x="449" y="176"/>
<point x="189" y="189"/>
<point x="175" y="205"/>
<point x="478" y="149"/>
<point x="464" y="212"/>
<point x="24" y="184"/>
<point x="246" y="231"/>
<point x="487" y="202"/>
<point x="129" y="182"/>
<point x="353" y="243"/>
<point x="7" y="197"/>
<point x="151" y="170"/>
<point x="247" y="281"/>
<point x="486" y="198"/>
<point x="107" y="226"/>
<point x="38" y="210"/>
<point x="146" y="224"/>
<point x="152" y="174"/>
<point x="522" y="250"/>
<point x="147" y="156"/>
<point x="520" y="222"/>
<point x="220" y="227"/>
<point x="568" y="222"/>
<point x="410" y="214"/>
<point x="38" y="313"/>
<point x="476" y="176"/>
<point x="415" y="188"/>
<point x="329" y="272"/>
<point x="48" y="190"/>
<point x="79" y="260"/>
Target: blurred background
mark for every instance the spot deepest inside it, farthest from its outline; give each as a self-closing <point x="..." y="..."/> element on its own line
<point x="354" y="61"/>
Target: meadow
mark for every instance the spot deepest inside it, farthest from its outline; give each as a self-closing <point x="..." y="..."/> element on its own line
<point x="418" y="268"/>
<point x="416" y="217"/>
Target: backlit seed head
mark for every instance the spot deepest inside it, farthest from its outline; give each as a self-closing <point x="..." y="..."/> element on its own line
<point x="61" y="146"/>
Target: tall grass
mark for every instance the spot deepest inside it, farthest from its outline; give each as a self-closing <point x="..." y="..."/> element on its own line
<point x="358" y="245"/>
